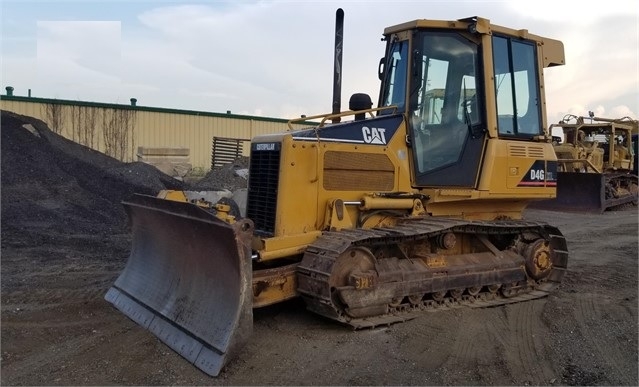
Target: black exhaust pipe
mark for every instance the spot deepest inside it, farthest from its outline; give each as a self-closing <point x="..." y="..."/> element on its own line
<point x="337" y="67"/>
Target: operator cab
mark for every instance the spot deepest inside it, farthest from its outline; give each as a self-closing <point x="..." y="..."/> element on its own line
<point x="438" y="77"/>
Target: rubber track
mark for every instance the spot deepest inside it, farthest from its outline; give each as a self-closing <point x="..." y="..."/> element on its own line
<point x="331" y="245"/>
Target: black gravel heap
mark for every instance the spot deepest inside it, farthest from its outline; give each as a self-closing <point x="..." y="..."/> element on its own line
<point x="47" y="179"/>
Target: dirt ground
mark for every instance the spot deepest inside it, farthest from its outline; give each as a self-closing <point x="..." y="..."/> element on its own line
<point x="65" y="240"/>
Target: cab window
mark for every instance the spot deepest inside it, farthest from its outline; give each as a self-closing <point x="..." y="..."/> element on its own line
<point x="516" y="87"/>
<point x="395" y="68"/>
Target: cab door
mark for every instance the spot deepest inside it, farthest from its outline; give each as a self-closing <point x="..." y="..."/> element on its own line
<point x="446" y="120"/>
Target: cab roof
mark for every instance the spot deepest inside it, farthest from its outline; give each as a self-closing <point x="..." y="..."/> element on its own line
<point x="552" y="49"/>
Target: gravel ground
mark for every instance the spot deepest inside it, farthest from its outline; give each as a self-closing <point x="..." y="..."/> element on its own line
<point x="65" y="241"/>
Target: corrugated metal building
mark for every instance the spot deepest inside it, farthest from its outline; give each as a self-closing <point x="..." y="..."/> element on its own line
<point x="120" y="130"/>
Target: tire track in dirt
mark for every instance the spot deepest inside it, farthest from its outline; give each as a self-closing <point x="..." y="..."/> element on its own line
<point x="100" y="351"/>
<point x="49" y="345"/>
<point x="331" y="349"/>
<point x="471" y="359"/>
<point x="427" y="340"/>
<point x="51" y="297"/>
<point x="507" y="347"/>
<point x="601" y="339"/>
<point x="524" y="333"/>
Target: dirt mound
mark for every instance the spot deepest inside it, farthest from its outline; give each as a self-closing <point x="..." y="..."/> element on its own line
<point x="48" y="179"/>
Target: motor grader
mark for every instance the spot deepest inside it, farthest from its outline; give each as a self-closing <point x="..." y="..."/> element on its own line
<point x="371" y="215"/>
<point x="596" y="170"/>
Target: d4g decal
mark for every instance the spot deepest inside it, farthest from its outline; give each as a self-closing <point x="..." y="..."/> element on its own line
<point x="541" y="174"/>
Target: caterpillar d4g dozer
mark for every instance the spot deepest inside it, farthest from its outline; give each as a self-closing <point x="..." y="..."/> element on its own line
<point x="596" y="170"/>
<point x="405" y="207"/>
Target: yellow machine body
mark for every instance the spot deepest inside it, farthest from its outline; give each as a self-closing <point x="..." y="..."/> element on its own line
<point x="318" y="176"/>
<point x="371" y="214"/>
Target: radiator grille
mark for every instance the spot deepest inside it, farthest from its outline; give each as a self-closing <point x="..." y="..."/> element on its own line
<point x="353" y="171"/>
<point x="262" y="188"/>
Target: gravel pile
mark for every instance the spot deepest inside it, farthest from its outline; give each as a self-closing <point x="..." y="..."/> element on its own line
<point x="230" y="177"/>
<point x="48" y="179"/>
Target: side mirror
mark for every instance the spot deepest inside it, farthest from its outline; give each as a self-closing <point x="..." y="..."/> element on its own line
<point x="380" y="69"/>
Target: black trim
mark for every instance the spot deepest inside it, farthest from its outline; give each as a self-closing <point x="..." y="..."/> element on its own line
<point x="373" y="131"/>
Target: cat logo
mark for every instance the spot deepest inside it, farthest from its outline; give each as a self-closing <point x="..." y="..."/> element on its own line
<point x="374" y="135"/>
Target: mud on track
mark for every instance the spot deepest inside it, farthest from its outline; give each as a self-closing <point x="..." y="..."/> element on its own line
<point x="56" y="329"/>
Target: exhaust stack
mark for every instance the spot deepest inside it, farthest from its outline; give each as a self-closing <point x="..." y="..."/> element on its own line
<point x="337" y="66"/>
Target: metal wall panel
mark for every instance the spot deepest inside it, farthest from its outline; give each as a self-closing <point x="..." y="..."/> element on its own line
<point x="150" y="127"/>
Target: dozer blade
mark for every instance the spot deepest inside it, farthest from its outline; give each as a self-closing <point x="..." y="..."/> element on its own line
<point x="577" y="192"/>
<point x="188" y="280"/>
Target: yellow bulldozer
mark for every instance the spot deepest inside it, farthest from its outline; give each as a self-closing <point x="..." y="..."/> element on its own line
<point x="596" y="164"/>
<point x="371" y="215"/>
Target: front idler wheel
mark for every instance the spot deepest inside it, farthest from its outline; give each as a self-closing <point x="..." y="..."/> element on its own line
<point x="354" y="268"/>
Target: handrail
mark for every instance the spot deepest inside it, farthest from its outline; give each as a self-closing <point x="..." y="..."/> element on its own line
<point x="330" y="116"/>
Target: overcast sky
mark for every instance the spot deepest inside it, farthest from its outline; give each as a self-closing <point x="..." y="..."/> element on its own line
<point x="274" y="58"/>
